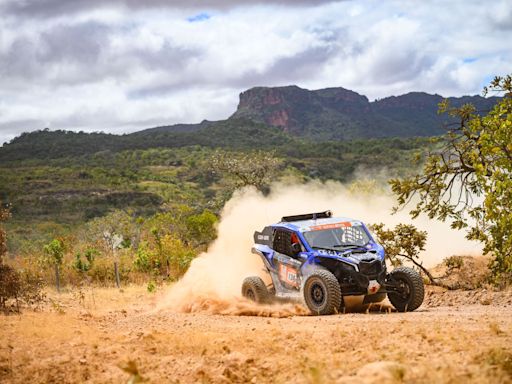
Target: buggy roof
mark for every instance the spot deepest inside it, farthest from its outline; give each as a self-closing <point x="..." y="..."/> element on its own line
<point x="318" y="224"/>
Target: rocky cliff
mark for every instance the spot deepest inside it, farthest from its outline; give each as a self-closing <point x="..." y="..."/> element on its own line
<point x="339" y="113"/>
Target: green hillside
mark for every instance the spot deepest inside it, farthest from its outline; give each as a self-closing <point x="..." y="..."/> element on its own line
<point x="55" y="180"/>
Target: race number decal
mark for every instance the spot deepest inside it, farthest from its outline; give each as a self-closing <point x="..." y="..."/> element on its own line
<point x="288" y="275"/>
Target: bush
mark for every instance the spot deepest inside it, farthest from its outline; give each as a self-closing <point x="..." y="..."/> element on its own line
<point x="168" y="257"/>
<point x="102" y="271"/>
<point x="85" y="265"/>
<point x="145" y="259"/>
<point x="19" y="287"/>
<point x="32" y="285"/>
<point x="10" y="287"/>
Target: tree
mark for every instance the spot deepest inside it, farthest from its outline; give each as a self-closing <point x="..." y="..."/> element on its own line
<point x="115" y="230"/>
<point x="202" y="228"/>
<point x="172" y="239"/>
<point x="405" y="241"/>
<point x="257" y="168"/>
<point x="54" y="255"/>
<point x="5" y="214"/>
<point x="467" y="178"/>
<point x="112" y="230"/>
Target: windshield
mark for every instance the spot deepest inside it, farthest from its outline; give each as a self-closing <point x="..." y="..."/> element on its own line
<point x="336" y="238"/>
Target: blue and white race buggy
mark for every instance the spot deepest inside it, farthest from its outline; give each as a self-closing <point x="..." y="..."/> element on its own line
<point x="322" y="259"/>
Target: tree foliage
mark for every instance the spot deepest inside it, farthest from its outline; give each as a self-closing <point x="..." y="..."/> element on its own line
<point x="172" y="239"/>
<point x="404" y="242"/>
<point x="86" y="263"/>
<point x="467" y="178"/>
<point x="54" y="252"/>
<point x="257" y="168"/>
<point x="112" y="231"/>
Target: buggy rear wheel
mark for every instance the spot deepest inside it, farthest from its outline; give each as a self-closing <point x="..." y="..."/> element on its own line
<point x="322" y="293"/>
<point x="408" y="292"/>
<point x="253" y="288"/>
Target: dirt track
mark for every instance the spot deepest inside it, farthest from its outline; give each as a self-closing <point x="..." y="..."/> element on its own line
<point x="113" y="337"/>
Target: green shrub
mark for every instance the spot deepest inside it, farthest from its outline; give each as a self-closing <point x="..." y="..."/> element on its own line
<point x="85" y="265"/>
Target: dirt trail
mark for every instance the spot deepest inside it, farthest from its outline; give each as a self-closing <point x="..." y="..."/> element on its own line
<point x="114" y="336"/>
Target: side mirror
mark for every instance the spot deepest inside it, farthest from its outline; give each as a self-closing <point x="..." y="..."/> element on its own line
<point x="296" y="248"/>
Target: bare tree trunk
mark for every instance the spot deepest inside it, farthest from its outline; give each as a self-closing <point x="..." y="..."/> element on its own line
<point x="116" y="271"/>
<point x="57" y="277"/>
<point x="433" y="280"/>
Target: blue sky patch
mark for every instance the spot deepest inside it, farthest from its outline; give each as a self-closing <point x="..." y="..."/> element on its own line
<point x="199" y="17"/>
<point x="468" y="60"/>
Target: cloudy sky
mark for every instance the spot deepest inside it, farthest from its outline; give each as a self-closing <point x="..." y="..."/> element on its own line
<point x="123" y="65"/>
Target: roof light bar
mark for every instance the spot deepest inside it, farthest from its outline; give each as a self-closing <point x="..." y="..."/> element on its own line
<point x="307" y="216"/>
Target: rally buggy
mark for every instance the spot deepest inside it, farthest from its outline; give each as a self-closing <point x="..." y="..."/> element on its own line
<point x="321" y="260"/>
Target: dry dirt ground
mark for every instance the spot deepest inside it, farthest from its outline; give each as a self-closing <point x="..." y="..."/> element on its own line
<point x="112" y="336"/>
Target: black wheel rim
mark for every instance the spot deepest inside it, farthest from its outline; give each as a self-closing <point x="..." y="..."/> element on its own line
<point x="317" y="294"/>
<point x="403" y="290"/>
<point x="250" y="295"/>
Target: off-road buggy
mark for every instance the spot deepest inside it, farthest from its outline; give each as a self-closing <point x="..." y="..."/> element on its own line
<point x="321" y="260"/>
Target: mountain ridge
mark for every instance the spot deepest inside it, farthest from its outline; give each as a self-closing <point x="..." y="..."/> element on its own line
<point x="342" y="114"/>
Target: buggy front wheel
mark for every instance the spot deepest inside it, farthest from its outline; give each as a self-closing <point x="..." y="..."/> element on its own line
<point x="322" y="293"/>
<point x="406" y="290"/>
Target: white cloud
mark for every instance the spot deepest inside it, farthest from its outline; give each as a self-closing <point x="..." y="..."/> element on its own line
<point x="118" y="66"/>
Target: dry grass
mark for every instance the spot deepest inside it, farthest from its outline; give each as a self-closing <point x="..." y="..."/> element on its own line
<point x="112" y="336"/>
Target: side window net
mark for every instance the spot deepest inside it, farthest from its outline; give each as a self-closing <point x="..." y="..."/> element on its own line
<point x="282" y="242"/>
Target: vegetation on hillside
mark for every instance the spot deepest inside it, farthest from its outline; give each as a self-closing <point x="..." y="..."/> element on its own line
<point x="151" y="211"/>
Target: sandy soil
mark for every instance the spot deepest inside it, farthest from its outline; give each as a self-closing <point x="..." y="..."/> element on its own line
<point x="112" y="336"/>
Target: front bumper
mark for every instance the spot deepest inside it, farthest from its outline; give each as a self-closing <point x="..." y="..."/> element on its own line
<point x="370" y="278"/>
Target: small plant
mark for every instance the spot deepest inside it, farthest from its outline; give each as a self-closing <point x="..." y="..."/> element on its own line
<point x="501" y="359"/>
<point x="131" y="368"/>
<point x="79" y="295"/>
<point x="57" y="307"/>
<point x="151" y="286"/>
<point x="85" y="265"/>
<point x="453" y="263"/>
<point x="495" y="328"/>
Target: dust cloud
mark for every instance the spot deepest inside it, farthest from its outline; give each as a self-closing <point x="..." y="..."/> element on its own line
<point x="213" y="282"/>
